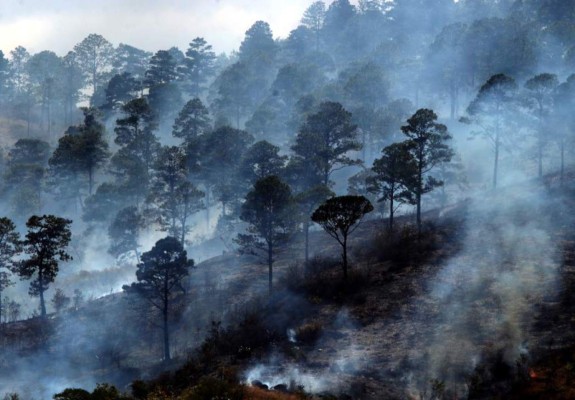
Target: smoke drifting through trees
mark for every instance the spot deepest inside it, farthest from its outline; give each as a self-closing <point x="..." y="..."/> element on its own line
<point x="182" y="141"/>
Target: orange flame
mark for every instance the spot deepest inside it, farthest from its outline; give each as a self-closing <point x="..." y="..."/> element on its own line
<point x="532" y="373"/>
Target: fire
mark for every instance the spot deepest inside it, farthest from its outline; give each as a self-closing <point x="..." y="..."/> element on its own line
<point x="532" y="373"/>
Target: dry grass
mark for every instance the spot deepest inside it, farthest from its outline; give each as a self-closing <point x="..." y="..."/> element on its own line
<point x="254" y="393"/>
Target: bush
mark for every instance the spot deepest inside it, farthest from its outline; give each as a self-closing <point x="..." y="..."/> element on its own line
<point x="213" y="388"/>
<point x="402" y="246"/>
<point x="309" y="333"/>
<point x="323" y="281"/>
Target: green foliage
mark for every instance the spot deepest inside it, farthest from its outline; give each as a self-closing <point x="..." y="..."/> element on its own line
<point x="258" y="49"/>
<point x="45" y="243"/>
<point x="268" y="210"/>
<point x="131" y="60"/>
<point x="10" y="247"/>
<point x="325" y="139"/>
<point x="192" y="121"/>
<point x="339" y="217"/>
<point x="102" y="206"/>
<point x="261" y="160"/>
<point x="198" y="66"/>
<point x="428" y="144"/>
<point x="162" y="69"/>
<point x="395" y="173"/>
<point x="25" y="174"/>
<point x="490" y="110"/>
<point x="120" y="89"/>
<point x="82" y="150"/>
<point x="175" y="198"/>
<point x="94" y="56"/>
<point x="135" y="130"/>
<point x="160" y="275"/>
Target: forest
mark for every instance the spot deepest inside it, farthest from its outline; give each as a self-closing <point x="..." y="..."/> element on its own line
<point x="378" y="206"/>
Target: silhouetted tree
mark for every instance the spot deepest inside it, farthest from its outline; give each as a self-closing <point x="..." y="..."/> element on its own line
<point x="162" y="69"/>
<point x="313" y="18"/>
<point x="72" y="81"/>
<point x="308" y="201"/>
<point x="192" y="121"/>
<point x="325" y="139"/>
<point x="160" y="276"/>
<point x="94" y="55"/>
<point x="198" y="66"/>
<point x="175" y="198"/>
<point x="10" y="247"/>
<point x="81" y="151"/>
<point x="124" y="231"/>
<point x="135" y="132"/>
<point x="45" y="70"/>
<point x="220" y="153"/>
<point x="25" y="174"/>
<point x="489" y="110"/>
<point x="339" y="217"/>
<point x="45" y="243"/>
<point x="120" y="90"/>
<point x="261" y="160"/>
<point x="130" y="60"/>
<point x="563" y="118"/>
<point x="394" y="173"/>
<point x="18" y="59"/>
<point x="60" y="301"/>
<point x="428" y="144"/>
<point x="258" y="49"/>
<point x="540" y="90"/>
<point x="236" y="92"/>
<point x="268" y="210"/>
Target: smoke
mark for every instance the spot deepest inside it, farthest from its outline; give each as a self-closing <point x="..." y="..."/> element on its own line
<point x="334" y="363"/>
<point x="484" y="300"/>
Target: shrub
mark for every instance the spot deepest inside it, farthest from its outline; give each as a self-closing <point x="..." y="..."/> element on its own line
<point x="308" y="333"/>
<point x="213" y="388"/>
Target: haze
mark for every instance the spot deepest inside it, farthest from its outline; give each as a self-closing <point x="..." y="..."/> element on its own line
<point x="150" y="25"/>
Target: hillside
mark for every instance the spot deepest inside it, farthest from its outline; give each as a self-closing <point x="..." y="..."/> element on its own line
<point x="412" y="318"/>
<point x="374" y="203"/>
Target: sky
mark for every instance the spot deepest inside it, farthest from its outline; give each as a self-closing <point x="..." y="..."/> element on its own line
<point x="152" y="25"/>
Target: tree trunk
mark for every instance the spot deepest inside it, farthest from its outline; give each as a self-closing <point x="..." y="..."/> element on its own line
<point x="496" y="163"/>
<point x="541" y="143"/>
<point x="540" y="157"/>
<point x="418" y="194"/>
<point x="562" y="161"/>
<point x="208" y="207"/>
<point x="183" y="234"/>
<point x="42" y="302"/>
<point x="306" y="230"/>
<point x="166" y="337"/>
<point x="90" y="180"/>
<point x="344" y="256"/>
<point x="270" y="266"/>
<point x="238" y="117"/>
<point x="165" y="316"/>
<point x="497" y="143"/>
<point x="391" y="214"/>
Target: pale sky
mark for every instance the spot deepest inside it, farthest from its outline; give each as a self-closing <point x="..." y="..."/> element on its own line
<point x="152" y="25"/>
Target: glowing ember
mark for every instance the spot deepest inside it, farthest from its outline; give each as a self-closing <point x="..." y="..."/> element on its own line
<point x="532" y="373"/>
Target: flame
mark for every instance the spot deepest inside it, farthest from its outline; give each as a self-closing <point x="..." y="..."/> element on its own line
<point x="532" y="373"/>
